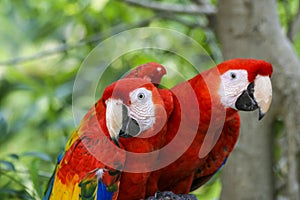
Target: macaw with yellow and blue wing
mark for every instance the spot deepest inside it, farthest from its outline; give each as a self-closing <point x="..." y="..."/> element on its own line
<point x="91" y="165"/>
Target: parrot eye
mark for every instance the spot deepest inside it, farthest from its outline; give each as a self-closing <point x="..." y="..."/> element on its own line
<point x="141" y="96"/>
<point x="233" y="75"/>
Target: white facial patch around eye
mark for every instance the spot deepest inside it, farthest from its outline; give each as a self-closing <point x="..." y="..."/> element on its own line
<point x="140" y="95"/>
<point x="233" y="83"/>
<point x="142" y="108"/>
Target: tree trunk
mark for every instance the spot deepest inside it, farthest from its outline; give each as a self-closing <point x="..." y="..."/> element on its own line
<point x="251" y="28"/>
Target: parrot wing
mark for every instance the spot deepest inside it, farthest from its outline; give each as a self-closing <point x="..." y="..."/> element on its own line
<point x="93" y="188"/>
<point x="200" y="180"/>
<point x="80" y="172"/>
<point x="218" y="156"/>
<point x="51" y="181"/>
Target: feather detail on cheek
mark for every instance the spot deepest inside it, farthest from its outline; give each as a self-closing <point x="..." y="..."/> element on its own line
<point x="159" y="124"/>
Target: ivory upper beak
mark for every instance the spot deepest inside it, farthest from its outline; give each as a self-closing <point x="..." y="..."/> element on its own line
<point x="114" y="119"/>
<point x="263" y="94"/>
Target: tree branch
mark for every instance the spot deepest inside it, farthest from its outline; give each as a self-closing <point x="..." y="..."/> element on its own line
<point x="192" y="9"/>
<point x="187" y="23"/>
<point x="66" y="47"/>
<point x="200" y="2"/>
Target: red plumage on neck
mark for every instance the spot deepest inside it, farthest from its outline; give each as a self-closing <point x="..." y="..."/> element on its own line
<point x="194" y="104"/>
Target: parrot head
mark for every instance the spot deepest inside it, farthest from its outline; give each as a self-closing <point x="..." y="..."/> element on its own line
<point x="246" y="85"/>
<point x="130" y="107"/>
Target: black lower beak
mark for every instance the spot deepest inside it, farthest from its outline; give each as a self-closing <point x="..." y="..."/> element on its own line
<point x="246" y="101"/>
<point x="115" y="140"/>
<point x="130" y="126"/>
<point x="260" y="115"/>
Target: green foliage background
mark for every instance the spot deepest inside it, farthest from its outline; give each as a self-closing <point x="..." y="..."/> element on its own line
<point x="42" y="45"/>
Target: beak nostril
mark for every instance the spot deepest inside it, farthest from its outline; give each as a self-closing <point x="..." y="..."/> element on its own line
<point x="250" y="90"/>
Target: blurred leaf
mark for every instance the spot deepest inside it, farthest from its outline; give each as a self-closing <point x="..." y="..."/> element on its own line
<point x="28" y="82"/>
<point x="39" y="155"/>
<point x="7" y="165"/>
<point x="14" y="156"/>
<point x="34" y="174"/>
<point x="3" y="127"/>
<point x="209" y="191"/>
<point x="19" y="194"/>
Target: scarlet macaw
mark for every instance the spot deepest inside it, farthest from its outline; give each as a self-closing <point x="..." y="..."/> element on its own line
<point x="80" y="172"/>
<point x="238" y="84"/>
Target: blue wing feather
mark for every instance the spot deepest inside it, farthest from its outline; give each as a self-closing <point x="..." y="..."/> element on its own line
<point x="103" y="193"/>
<point x="51" y="182"/>
<point x="92" y="188"/>
<point x="49" y="190"/>
<point x="223" y="163"/>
